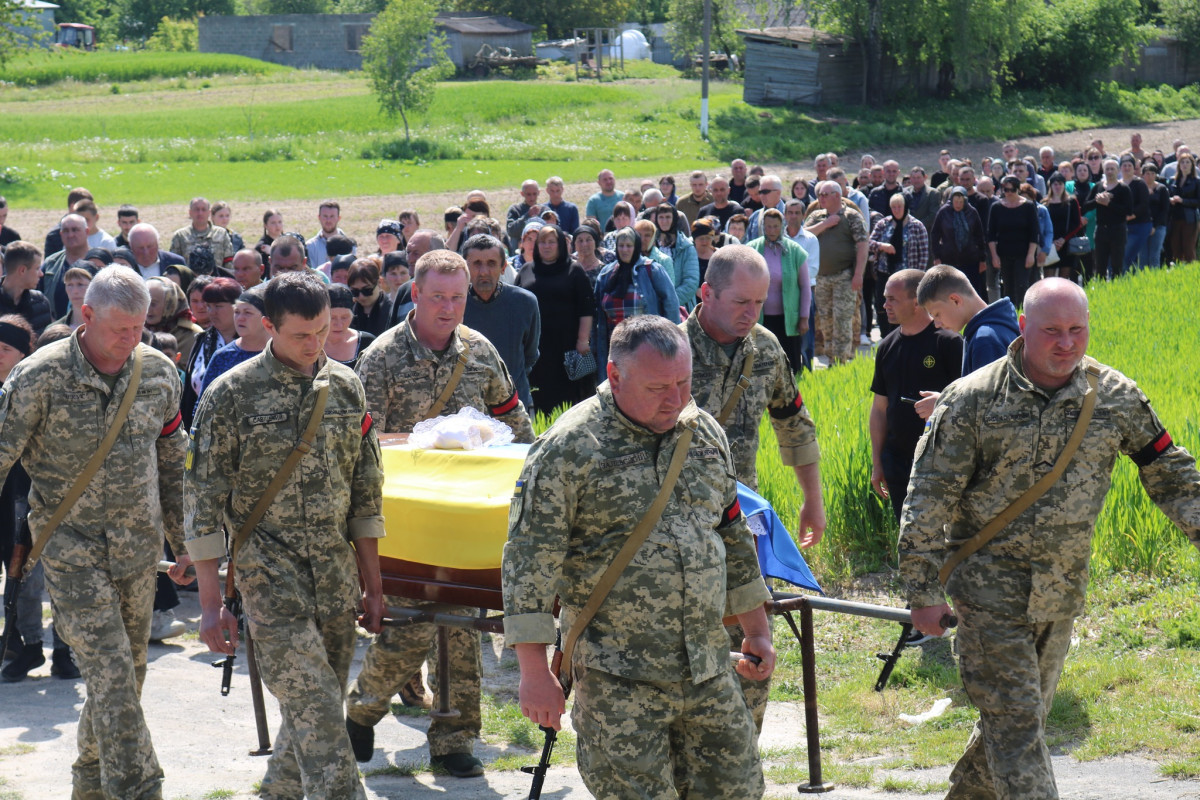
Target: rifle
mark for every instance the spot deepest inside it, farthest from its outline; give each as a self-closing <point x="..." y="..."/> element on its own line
<point x="233" y="603"/>
<point x="890" y="659"/>
<point x="539" y="772"/>
<point x="12" y="587"/>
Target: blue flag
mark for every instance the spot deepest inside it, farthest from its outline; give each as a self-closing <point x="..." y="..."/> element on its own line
<point x="778" y="556"/>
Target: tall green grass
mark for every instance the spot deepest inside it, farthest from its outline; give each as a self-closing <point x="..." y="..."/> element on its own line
<point x="44" y="68"/>
<point x="1141" y="325"/>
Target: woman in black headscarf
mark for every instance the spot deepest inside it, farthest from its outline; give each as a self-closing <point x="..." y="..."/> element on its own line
<point x="566" y="303"/>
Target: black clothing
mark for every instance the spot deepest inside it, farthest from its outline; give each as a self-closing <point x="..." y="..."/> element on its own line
<point x="1064" y="219"/>
<point x="880" y="198"/>
<point x="376" y="322"/>
<point x="722" y="214"/>
<point x="1160" y="205"/>
<point x="1119" y="207"/>
<point x="33" y="306"/>
<point x="1188" y="210"/>
<point x="1013" y="229"/>
<point x="7" y="237"/>
<point x="1141" y="202"/>
<point x="904" y="367"/>
<point x="736" y="193"/>
<point x="564" y="295"/>
<point x="53" y="243"/>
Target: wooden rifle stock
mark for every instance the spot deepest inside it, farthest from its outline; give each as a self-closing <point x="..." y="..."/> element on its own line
<point x="12" y="588"/>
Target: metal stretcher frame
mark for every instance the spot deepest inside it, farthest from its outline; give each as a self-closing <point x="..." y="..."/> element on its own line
<point x="444" y="586"/>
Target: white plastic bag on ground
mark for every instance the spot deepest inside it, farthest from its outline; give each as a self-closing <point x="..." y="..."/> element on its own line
<point x="938" y="709"/>
<point x="469" y="429"/>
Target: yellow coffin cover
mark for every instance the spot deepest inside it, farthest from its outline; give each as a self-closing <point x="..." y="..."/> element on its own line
<point x="449" y="508"/>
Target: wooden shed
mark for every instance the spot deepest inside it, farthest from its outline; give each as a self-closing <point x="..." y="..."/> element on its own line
<point x="466" y="32"/>
<point x="800" y="65"/>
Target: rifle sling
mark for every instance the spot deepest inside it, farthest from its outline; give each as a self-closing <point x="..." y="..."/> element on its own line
<point x="90" y="469"/>
<point x="743" y="383"/>
<point x="289" y="465"/>
<point x="640" y="533"/>
<point x="1018" y="507"/>
<point x="455" y="377"/>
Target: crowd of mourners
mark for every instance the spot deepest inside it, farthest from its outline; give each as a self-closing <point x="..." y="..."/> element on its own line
<point x="570" y="273"/>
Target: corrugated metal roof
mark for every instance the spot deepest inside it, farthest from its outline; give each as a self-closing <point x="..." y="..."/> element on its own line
<point x="796" y="33"/>
<point x="467" y="22"/>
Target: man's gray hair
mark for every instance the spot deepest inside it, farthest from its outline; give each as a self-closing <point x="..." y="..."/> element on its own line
<point x="119" y="288"/>
<point x="666" y="338"/>
<point x="727" y="259"/>
<point x="143" y="227"/>
<point x="824" y="186"/>
<point x="483" y="241"/>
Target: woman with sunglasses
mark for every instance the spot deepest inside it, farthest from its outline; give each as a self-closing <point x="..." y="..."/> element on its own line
<point x="372" y="307"/>
<point x="1013" y="234"/>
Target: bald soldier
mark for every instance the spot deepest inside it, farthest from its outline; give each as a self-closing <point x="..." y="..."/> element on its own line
<point x="993" y="434"/>
<point x="655" y="702"/>
<point x="723" y="333"/>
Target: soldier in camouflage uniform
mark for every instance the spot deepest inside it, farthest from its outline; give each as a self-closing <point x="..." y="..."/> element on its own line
<point x="844" y="248"/>
<point x="993" y="434"/>
<point x="403" y="372"/>
<point x="655" y="698"/>
<point x="100" y="563"/>
<point x="721" y="331"/>
<point x="206" y="248"/>
<point x="297" y="569"/>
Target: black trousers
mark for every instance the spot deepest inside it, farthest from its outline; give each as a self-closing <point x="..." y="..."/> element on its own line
<point x="1109" y="253"/>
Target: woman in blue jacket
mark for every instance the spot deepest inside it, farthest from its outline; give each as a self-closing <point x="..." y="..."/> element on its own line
<point x="682" y="253"/>
<point x="628" y="287"/>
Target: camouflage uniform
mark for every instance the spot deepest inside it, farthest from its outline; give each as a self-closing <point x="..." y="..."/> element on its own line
<point x="652" y="668"/>
<point x="835" y="298"/>
<point x="992" y="436"/>
<point x="772" y="389"/>
<point x="296" y="572"/>
<point x="101" y="561"/>
<point x="402" y="378"/>
<point x="214" y="239"/>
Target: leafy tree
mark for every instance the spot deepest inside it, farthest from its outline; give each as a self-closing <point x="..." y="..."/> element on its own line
<point x="404" y="57"/>
<point x="139" y="19"/>
<point x="1182" y="18"/>
<point x="297" y="6"/>
<point x="685" y="31"/>
<point x="19" y="30"/>
<point x="1067" y="44"/>
<point x="174" y="36"/>
<point x="558" y="18"/>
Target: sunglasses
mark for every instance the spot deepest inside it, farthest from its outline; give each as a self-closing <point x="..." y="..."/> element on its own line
<point x="364" y="291"/>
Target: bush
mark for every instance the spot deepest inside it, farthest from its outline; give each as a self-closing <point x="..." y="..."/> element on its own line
<point x="405" y="150"/>
<point x="1070" y="43"/>
<point x="174" y="36"/>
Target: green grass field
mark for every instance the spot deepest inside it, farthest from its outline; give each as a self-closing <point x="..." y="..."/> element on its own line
<point x="155" y="127"/>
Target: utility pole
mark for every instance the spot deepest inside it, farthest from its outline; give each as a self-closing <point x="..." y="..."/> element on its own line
<point x="704" y="68"/>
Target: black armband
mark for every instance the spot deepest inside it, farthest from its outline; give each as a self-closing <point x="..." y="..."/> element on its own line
<point x="790" y="410"/>
<point x="1148" y="454"/>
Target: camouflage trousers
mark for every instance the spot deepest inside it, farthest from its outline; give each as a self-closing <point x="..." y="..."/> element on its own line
<point x="397" y="653"/>
<point x="305" y="662"/>
<point x="106" y="620"/>
<point x="637" y="738"/>
<point x="1010" y="669"/>
<point x="837" y="314"/>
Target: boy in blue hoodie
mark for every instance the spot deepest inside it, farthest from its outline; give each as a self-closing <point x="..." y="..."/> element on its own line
<point x="987" y="330"/>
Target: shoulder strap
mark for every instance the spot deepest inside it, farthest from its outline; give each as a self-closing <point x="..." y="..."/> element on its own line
<point x="640" y="533"/>
<point x="1005" y="517"/>
<point x="91" y="468"/>
<point x="455" y="377"/>
<point x="743" y="383"/>
<point x="289" y="465"/>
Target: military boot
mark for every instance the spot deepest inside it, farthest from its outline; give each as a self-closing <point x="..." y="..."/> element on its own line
<point x="62" y="664"/>
<point x="30" y="657"/>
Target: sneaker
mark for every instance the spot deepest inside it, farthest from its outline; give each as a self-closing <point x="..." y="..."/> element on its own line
<point x="165" y="626"/>
<point x="62" y="664"/>
<point x="864" y="339"/>
<point x="30" y="657"/>
<point x="460" y="765"/>
<point x="362" y="740"/>
<point x="413" y="694"/>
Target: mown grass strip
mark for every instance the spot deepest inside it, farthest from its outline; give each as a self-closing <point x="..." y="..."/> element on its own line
<point x="44" y="68"/>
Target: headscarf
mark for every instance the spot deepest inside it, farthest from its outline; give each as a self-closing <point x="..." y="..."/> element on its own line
<point x="622" y="274"/>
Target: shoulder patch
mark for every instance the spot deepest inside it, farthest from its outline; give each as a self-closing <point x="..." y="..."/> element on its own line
<point x="265" y="419"/>
<point x="704" y="453"/>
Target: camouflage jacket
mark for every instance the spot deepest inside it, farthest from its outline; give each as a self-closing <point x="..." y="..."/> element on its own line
<point x="215" y="238"/>
<point x="585" y="484"/>
<point x="247" y="423"/>
<point x="772" y="388"/>
<point x="992" y="435"/>
<point x="54" y="411"/>
<point x="403" y="377"/>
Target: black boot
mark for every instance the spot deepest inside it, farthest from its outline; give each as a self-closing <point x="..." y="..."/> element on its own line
<point x="15" y="643"/>
<point x="62" y="664"/>
<point x="362" y="740"/>
<point x="30" y="657"/>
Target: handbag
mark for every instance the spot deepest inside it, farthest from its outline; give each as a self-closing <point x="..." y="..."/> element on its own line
<point x="579" y="365"/>
<point x="1079" y="245"/>
<point x="1052" y="258"/>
